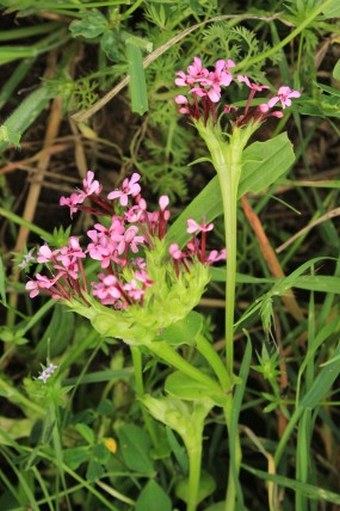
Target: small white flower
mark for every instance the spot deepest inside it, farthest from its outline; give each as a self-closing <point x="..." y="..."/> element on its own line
<point x="27" y="259"/>
<point x="47" y="372"/>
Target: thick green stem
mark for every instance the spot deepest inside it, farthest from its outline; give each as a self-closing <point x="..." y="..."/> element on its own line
<point x="226" y="156"/>
<point x="235" y="458"/>
<point x="229" y="198"/>
<point x="195" y="455"/>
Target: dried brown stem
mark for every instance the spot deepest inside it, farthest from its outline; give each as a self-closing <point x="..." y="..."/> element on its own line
<point x="270" y="257"/>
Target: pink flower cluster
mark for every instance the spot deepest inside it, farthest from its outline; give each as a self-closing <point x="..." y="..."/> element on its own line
<point x="117" y="243"/>
<point x="205" y="90"/>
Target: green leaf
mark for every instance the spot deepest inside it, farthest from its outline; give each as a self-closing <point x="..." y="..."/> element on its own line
<point x="309" y="490"/>
<point x="23" y="116"/>
<point x="182" y="386"/>
<point x="336" y="71"/>
<point x="105" y="407"/>
<point x="218" y="506"/>
<point x="325" y="106"/>
<point x="321" y="283"/>
<point x="206" y="488"/>
<point x="76" y="456"/>
<point x="9" y="136"/>
<point x="184" y="331"/>
<point x="264" y="163"/>
<point x="135" y="448"/>
<point x="139" y="98"/>
<point x="58" y="333"/>
<point x="92" y="24"/>
<point x="109" y="44"/>
<point x="322" y="383"/>
<point x="331" y="9"/>
<point x="86" y="432"/>
<point x="13" y="334"/>
<point x="178" y="450"/>
<point x="101" y="453"/>
<point x="153" y="498"/>
<point x="162" y="450"/>
<point x="94" y="471"/>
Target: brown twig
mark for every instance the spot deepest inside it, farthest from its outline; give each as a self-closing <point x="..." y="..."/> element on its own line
<point x="270" y="257"/>
<point x="47" y="151"/>
<point x="36" y="185"/>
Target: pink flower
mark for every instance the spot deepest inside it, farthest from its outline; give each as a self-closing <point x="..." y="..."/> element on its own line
<point x="105" y="242"/>
<point x="90" y="185"/>
<point x="222" y="75"/>
<point x="253" y="86"/>
<point x="193" y="247"/>
<point x="211" y="84"/>
<point x="163" y="202"/>
<point x="213" y="92"/>
<point x="175" y="252"/>
<point x="129" y="187"/>
<point x="41" y="282"/>
<point x="133" y="291"/>
<point x="182" y="100"/>
<point x="196" y="72"/>
<point x="68" y="257"/>
<point x="73" y="201"/>
<point x="107" y="291"/>
<point x="284" y="95"/>
<point x="45" y="254"/>
<point x="193" y="226"/>
<point x="137" y="212"/>
<point x="183" y="80"/>
<point x="216" y="255"/>
<point x="130" y="239"/>
<point x="142" y="276"/>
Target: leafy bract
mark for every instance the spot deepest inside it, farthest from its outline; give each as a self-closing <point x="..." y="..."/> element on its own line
<point x="264" y="163"/>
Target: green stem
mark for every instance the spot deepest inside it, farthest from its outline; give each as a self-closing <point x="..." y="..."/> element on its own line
<point x="195" y="455"/>
<point x="14" y="396"/>
<point x="227" y="159"/>
<point x="12" y="217"/>
<point x="140" y="391"/>
<point x="235" y="456"/>
<point x="229" y="199"/>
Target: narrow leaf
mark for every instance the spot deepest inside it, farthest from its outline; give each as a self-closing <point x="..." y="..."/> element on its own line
<point x="309" y="490"/>
<point x="139" y="98"/>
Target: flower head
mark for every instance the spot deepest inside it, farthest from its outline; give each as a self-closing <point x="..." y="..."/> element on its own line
<point x="141" y="283"/>
<point x="204" y="96"/>
<point x="47" y="372"/>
